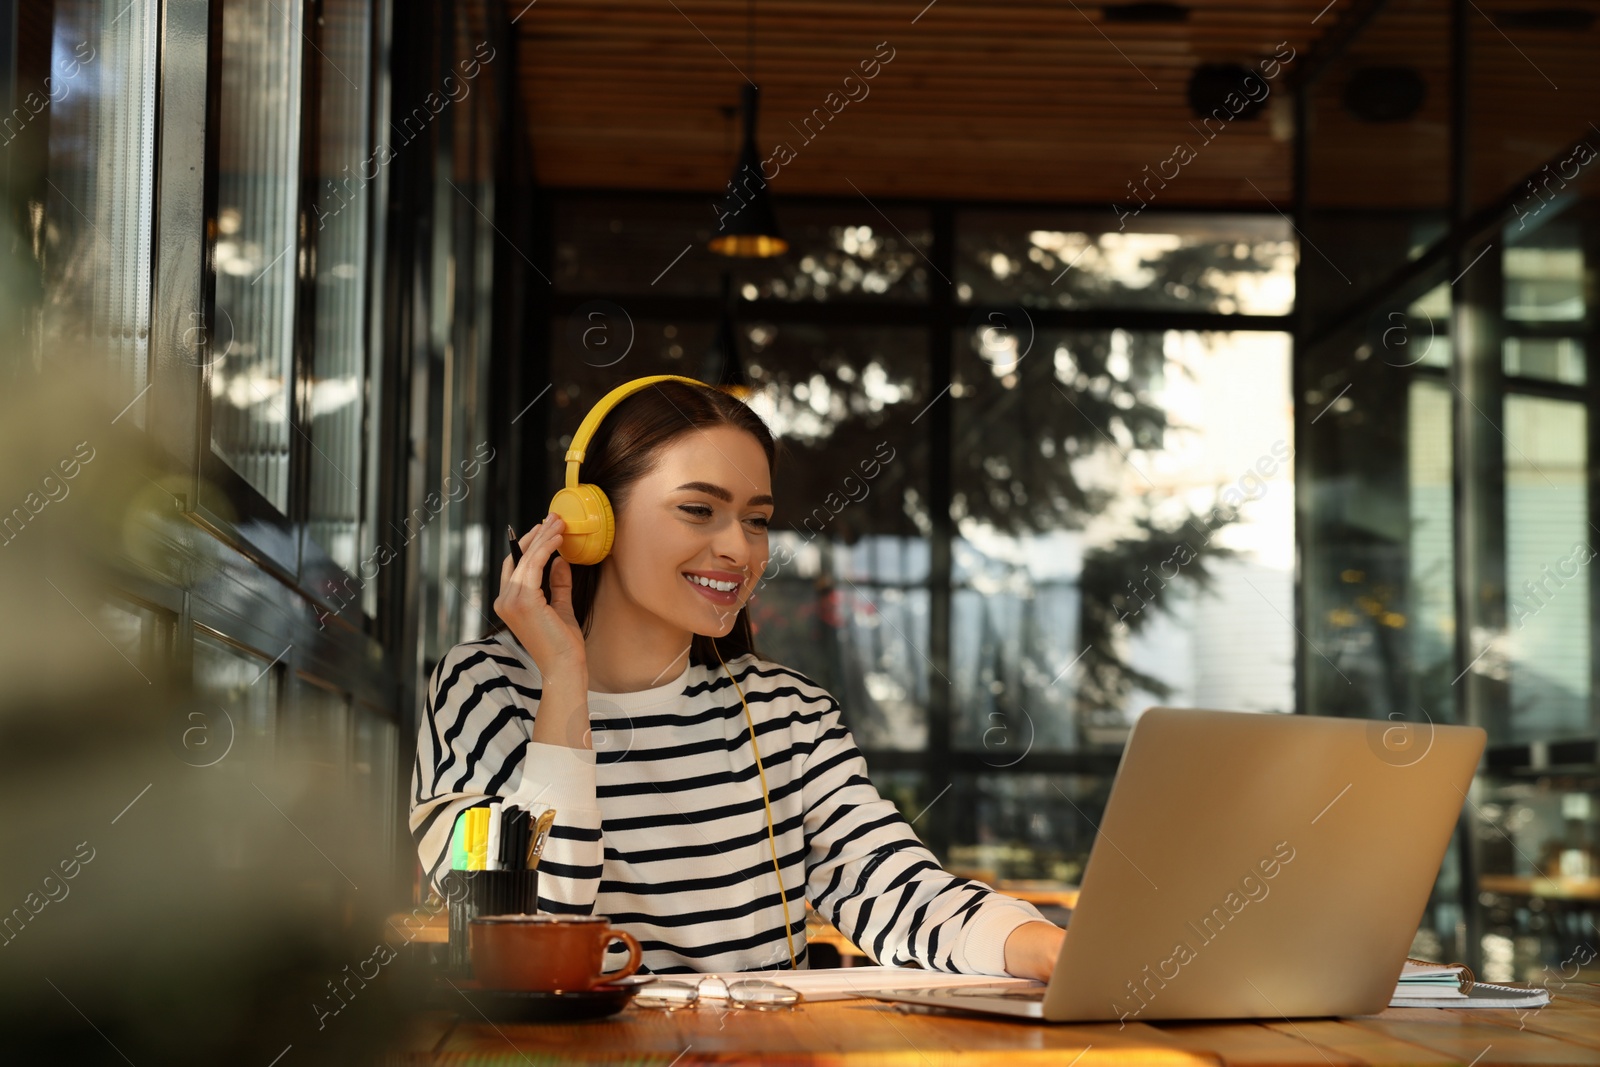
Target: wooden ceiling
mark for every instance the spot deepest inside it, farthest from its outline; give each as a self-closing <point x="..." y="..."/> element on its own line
<point x="1003" y="101"/>
<point x="1535" y="88"/>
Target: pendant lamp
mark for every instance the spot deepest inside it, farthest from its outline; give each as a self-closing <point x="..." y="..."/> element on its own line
<point x="747" y="226"/>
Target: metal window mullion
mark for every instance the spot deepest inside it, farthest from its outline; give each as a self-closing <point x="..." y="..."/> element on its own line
<point x="1479" y="489"/>
<point x="941" y="317"/>
<point x="1589" y="238"/>
<point x="181" y="298"/>
<point x="1299" y="378"/>
<point x="301" y="316"/>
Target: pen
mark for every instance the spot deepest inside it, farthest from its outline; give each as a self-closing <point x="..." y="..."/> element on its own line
<point x="516" y="549"/>
<point x="519" y="843"/>
<point x="510" y="831"/>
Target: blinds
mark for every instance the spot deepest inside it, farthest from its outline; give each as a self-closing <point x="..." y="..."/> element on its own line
<point x="1548" y="548"/>
<point x="346" y="167"/>
<point x="98" y="207"/>
<point x="258" y="124"/>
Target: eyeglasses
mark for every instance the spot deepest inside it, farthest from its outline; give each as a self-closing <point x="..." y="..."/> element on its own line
<point x="755" y="994"/>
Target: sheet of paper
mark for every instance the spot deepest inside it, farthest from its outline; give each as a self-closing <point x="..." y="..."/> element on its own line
<point x="844" y="983"/>
<point x="1414" y="972"/>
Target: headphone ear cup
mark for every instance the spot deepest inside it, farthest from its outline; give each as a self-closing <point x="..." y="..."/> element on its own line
<point x="589" y="523"/>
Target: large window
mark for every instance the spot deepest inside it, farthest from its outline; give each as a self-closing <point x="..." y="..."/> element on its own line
<point x="1003" y="530"/>
<point x="291" y="360"/>
<point x="257" y="260"/>
<point x="1548" y="549"/>
<point x="1448" y="523"/>
<point x="97" y="198"/>
<point x="343" y="385"/>
<point x="199" y="195"/>
<point x="451" y="531"/>
<point x="1539" y="813"/>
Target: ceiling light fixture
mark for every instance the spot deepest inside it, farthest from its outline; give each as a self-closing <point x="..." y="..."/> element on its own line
<point x="747" y="226"/>
<point x="1212" y="84"/>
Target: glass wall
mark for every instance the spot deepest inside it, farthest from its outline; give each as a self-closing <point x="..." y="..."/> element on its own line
<point x="252" y="280"/>
<point x="1539" y="842"/>
<point x="97" y="209"/>
<point x="1002" y="531"/>
<point x="1447" y="526"/>
<point x="1547" y="549"/>
<point x="451" y="529"/>
<point x="298" y="525"/>
<point x="1110" y="501"/>
<point x="849" y="606"/>
<point x="1378" y="588"/>
<point x="258" y="221"/>
<point x="656" y="246"/>
<point x="344" y="385"/>
<point x="1226" y="263"/>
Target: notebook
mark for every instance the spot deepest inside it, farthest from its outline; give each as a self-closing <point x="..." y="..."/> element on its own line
<point x="1435" y="985"/>
<point x="1419" y="978"/>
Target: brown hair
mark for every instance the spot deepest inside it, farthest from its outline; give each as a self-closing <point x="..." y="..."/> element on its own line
<point x="625" y="448"/>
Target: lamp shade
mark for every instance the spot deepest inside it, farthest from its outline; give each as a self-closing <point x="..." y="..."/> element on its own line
<point x="746" y="224"/>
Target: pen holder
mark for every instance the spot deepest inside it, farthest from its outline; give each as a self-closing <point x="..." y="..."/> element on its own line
<point x="474" y="893"/>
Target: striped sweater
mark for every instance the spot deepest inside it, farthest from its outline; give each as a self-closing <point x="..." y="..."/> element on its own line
<point x="660" y="826"/>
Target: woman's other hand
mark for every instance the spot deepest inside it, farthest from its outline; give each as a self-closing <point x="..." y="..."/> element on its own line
<point x="1032" y="948"/>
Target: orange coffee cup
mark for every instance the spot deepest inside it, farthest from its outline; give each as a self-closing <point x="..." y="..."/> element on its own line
<point x="545" y="952"/>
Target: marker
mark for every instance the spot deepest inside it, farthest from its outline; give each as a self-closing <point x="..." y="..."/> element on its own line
<point x="458" y="844"/>
<point x="477" y="838"/>
<point x="491" y="858"/>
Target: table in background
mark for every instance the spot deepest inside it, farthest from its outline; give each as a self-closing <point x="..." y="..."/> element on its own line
<point x="1513" y="885"/>
<point x="850" y="1032"/>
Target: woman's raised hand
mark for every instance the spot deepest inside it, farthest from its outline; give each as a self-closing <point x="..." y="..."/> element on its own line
<point x="548" y="630"/>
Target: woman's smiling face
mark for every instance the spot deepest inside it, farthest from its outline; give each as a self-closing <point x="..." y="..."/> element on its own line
<point x="703" y="510"/>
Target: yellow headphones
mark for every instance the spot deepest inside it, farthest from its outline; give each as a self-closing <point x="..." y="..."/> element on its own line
<point x="583" y="507"/>
<point x="590" y="528"/>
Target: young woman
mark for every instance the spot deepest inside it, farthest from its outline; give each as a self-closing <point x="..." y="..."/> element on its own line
<point x="613" y="694"/>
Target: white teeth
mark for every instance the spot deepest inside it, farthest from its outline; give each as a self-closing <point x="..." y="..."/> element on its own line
<point x="722" y="587"/>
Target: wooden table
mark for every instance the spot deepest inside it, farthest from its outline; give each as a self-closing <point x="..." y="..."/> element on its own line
<point x="407" y="927"/>
<point x="837" y="1033"/>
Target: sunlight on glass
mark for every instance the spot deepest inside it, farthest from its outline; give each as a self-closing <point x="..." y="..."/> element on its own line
<point x="1191" y="262"/>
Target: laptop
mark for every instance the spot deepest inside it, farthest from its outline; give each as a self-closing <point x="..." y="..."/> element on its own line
<point x="1250" y="866"/>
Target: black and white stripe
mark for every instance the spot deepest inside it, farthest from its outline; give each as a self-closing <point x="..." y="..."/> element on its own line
<point x="663" y="828"/>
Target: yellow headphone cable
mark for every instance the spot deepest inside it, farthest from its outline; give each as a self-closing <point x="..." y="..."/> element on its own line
<point x="772" y="843"/>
